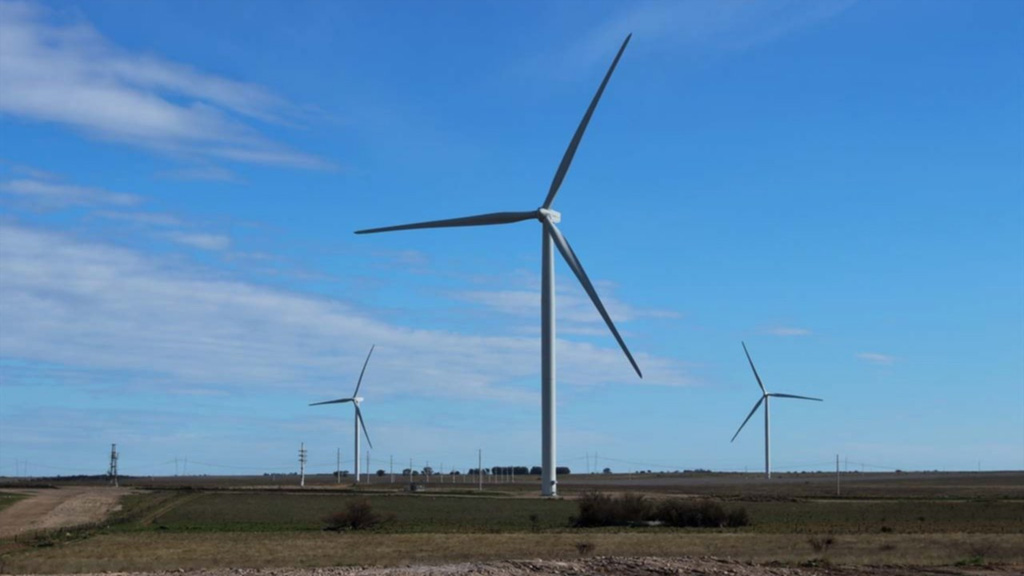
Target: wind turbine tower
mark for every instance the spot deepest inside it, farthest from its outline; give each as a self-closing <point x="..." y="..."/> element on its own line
<point x="765" y="395"/>
<point x="356" y="400"/>
<point x="551" y="238"/>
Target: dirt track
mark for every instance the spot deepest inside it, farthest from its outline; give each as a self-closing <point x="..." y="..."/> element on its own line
<point x="49" y="508"/>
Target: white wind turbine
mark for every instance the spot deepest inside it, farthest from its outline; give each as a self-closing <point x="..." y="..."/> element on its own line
<point x="356" y="400"/>
<point x="764" y="398"/>
<point x="551" y="236"/>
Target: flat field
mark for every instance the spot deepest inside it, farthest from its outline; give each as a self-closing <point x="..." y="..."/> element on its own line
<point x="958" y="521"/>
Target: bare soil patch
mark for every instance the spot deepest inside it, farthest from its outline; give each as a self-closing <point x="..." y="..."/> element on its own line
<point x="52" y="508"/>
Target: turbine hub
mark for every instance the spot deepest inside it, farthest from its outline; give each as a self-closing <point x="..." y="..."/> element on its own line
<point x="551" y="215"/>
<point x="358" y="400"/>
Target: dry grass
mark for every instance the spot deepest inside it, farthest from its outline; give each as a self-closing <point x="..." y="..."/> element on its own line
<point x="153" y="551"/>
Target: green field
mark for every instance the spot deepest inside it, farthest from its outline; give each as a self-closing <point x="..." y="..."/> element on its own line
<point x="6" y="499"/>
<point x="283" y="511"/>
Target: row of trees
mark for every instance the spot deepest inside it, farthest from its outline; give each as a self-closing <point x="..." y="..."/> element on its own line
<point x="495" y="470"/>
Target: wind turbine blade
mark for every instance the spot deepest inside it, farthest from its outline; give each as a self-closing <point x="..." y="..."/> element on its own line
<point x="756" y="406"/>
<point x="763" y="391"/>
<point x="556" y="183"/>
<point x="363" y="371"/>
<point x="795" y="396"/>
<point x="581" y="275"/>
<point x="359" y="416"/>
<point x="338" y="401"/>
<point x="479" y="220"/>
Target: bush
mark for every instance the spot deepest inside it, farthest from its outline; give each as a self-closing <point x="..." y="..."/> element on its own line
<point x="700" y="514"/>
<point x="584" y="548"/>
<point x="598" y="509"/>
<point x="358" y="515"/>
<point x="820" y="545"/>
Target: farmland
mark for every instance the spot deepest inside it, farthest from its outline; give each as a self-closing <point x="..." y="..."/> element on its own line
<point x="919" y="519"/>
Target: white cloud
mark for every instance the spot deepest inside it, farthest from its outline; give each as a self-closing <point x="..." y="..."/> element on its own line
<point x="54" y="195"/>
<point x="99" y="308"/>
<point x="704" y="25"/>
<point x="62" y="70"/>
<point x="574" y="306"/>
<point x="212" y="173"/>
<point x="140" y="218"/>
<point x="788" y="331"/>
<point x="214" y="242"/>
<point x="876" y="358"/>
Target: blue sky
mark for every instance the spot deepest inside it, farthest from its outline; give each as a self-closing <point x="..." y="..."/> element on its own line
<point x="839" y="184"/>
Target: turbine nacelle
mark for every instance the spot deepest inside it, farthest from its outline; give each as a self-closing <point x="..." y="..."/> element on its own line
<point x="550" y="215"/>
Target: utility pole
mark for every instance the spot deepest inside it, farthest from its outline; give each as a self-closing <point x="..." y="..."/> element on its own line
<point x="302" y="464"/>
<point x="480" y="468"/>
<point x="837" y="475"/>
<point x="337" y="468"/>
<point x="112" y="473"/>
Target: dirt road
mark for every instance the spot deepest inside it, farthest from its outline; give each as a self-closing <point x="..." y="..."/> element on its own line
<point x="49" y="508"/>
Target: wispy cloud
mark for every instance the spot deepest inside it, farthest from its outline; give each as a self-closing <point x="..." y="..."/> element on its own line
<point x="876" y="358"/>
<point x="97" y="307"/>
<point x="213" y="173"/>
<point x="58" y="68"/>
<point x="213" y="242"/>
<point x="49" y="194"/>
<point x="574" y="306"/>
<point x="788" y="331"/>
<point x="704" y="25"/>
<point x="140" y="218"/>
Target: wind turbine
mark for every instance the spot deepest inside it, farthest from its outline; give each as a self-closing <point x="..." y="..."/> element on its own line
<point x="356" y="400"/>
<point x="764" y="398"/>
<point x="551" y="237"/>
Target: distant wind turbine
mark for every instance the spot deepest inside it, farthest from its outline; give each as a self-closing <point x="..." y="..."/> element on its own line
<point x="356" y="400"/>
<point x="764" y="398"/>
<point x="551" y="236"/>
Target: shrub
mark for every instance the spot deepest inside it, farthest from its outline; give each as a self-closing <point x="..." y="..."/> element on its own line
<point x="634" y="508"/>
<point x="821" y="544"/>
<point x="534" y="523"/>
<point x="598" y="509"/>
<point x="358" y="515"/>
<point x="584" y="548"/>
<point x="700" y="514"/>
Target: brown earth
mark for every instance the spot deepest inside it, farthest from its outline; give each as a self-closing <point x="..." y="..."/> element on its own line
<point x="51" y="508"/>
<point x="617" y="566"/>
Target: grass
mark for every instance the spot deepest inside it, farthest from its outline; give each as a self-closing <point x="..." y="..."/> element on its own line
<point x="885" y="516"/>
<point x="7" y="498"/>
<point x="251" y="511"/>
<point x="271" y="512"/>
